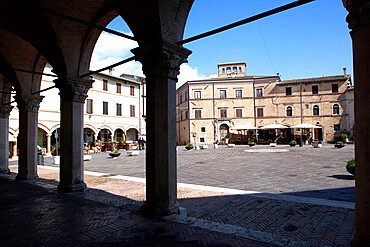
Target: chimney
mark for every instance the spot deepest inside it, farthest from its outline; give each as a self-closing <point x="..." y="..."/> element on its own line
<point x="345" y="71"/>
<point x="111" y="71"/>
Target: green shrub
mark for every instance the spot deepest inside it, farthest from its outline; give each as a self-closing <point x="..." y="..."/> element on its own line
<point x="339" y="145"/>
<point x="189" y="145"/>
<point x="116" y="151"/>
<point x="351" y="166"/>
<point x="292" y="143"/>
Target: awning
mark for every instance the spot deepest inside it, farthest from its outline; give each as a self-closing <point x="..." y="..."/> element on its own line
<point x="305" y="126"/>
<point x="274" y="126"/>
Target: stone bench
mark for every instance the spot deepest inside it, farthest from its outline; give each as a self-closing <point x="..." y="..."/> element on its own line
<point x="132" y="152"/>
<point x="87" y="157"/>
<point x="204" y="146"/>
<point x="231" y="145"/>
<point x="273" y="144"/>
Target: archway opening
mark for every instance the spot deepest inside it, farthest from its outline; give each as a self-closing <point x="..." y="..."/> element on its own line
<point x="132" y="134"/>
<point x="224" y="133"/>
<point x="89" y="136"/>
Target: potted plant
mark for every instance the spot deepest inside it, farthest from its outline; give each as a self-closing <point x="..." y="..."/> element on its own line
<point x="115" y="153"/>
<point x="317" y="144"/>
<point x="110" y="146"/>
<point x="351" y="166"/>
<point x="189" y="146"/>
<point x="339" y="145"/>
<point x="251" y="144"/>
<point x="292" y="143"/>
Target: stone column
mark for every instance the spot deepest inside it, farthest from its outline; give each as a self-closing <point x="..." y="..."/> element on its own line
<point x="28" y="106"/>
<point x="4" y="142"/>
<point x="15" y="147"/>
<point x="161" y="65"/>
<point x="73" y="92"/>
<point x="359" y="21"/>
<point x="48" y="144"/>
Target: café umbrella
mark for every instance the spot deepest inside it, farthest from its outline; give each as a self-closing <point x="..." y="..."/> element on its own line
<point x="275" y="127"/>
<point x="305" y="126"/>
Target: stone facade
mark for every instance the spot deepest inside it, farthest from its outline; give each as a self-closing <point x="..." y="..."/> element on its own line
<point x="206" y="107"/>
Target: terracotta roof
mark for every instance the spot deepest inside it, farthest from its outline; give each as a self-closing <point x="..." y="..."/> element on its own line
<point x="316" y="79"/>
<point x="235" y="78"/>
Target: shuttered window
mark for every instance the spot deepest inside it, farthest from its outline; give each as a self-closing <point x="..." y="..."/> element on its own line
<point x="89" y="106"/>
<point x="132" y="111"/>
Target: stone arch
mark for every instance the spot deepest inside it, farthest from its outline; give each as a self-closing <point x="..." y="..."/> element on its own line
<point x="44" y="128"/>
<point x="132" y="134"/>
<point x="91" y="127"/>
<point x="103" y="18"/>
<point x="32" y="25"/>
<point x="9" y="74"/>
<point x="119" y="132"/>
<point x="20" y="54"/>
<point x="106" y="127"/>
<point x="52" y="129"/>
<point x="89" y="134"/>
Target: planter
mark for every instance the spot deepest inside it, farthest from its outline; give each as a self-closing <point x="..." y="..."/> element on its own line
<point x="251" y="144"/>
<point x="351" y="169"/>
<point x="113" y="155"/>
<point x="189" y="148"/>
<point x="339" y="145"/>
<point x="56" y="160"/>
<point x="292" y="145"/>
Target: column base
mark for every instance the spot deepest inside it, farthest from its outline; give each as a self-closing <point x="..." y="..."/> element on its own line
<point x="151" y="209"/>
<point x="5" y="171"/>
<point x="26" y="177"/>
<point x="357" y="241"/>
<point x="67" y="188"/>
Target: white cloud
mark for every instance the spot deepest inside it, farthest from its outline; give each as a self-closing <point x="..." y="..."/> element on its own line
<point x="187" y="73"/>
<point x="111" y="49"/>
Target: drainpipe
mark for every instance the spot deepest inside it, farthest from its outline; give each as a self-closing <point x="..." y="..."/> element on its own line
<point x="300" y="93"/>
<point x="215" y="137"/>
<point x="189" y="112"/>
<point x="254" y="105"/>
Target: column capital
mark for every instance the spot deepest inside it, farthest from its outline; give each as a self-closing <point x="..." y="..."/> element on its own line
<point x="73" y="88"/>
<point x="161" y="60"/>
<point x="5" y="111"/>
<point x="359" y="13"/>
<point x="28" y="102"/>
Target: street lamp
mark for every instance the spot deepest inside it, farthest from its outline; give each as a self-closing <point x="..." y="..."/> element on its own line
<point x="56" y="141"/>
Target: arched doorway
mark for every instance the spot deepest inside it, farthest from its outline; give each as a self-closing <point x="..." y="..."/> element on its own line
<point x="89" y="136"/>
<point x="132" y="134"/>
<point x="105" y="135"/>
<point x="55" y="142"/>
<point x="119" y="135"/>
<point x="224" y="132"/>
<point x="41" y="138"/>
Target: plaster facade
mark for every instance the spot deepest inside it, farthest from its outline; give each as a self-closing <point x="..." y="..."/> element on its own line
<point x="122" y="116"/>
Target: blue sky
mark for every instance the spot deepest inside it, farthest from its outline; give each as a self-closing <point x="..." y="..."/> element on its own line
<point x="308" y="41"/>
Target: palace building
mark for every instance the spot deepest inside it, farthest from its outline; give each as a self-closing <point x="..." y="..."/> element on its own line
<point x="234" y="107"/>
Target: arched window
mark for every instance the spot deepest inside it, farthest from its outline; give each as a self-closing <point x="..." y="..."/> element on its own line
<point x="223" y="70"/>
<point x="336" y="109"/>
<point x="228" y="70"/>
<point x="289" y="111"/>
<point x="235" y="69"/>
<point x="316" y="110"/>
